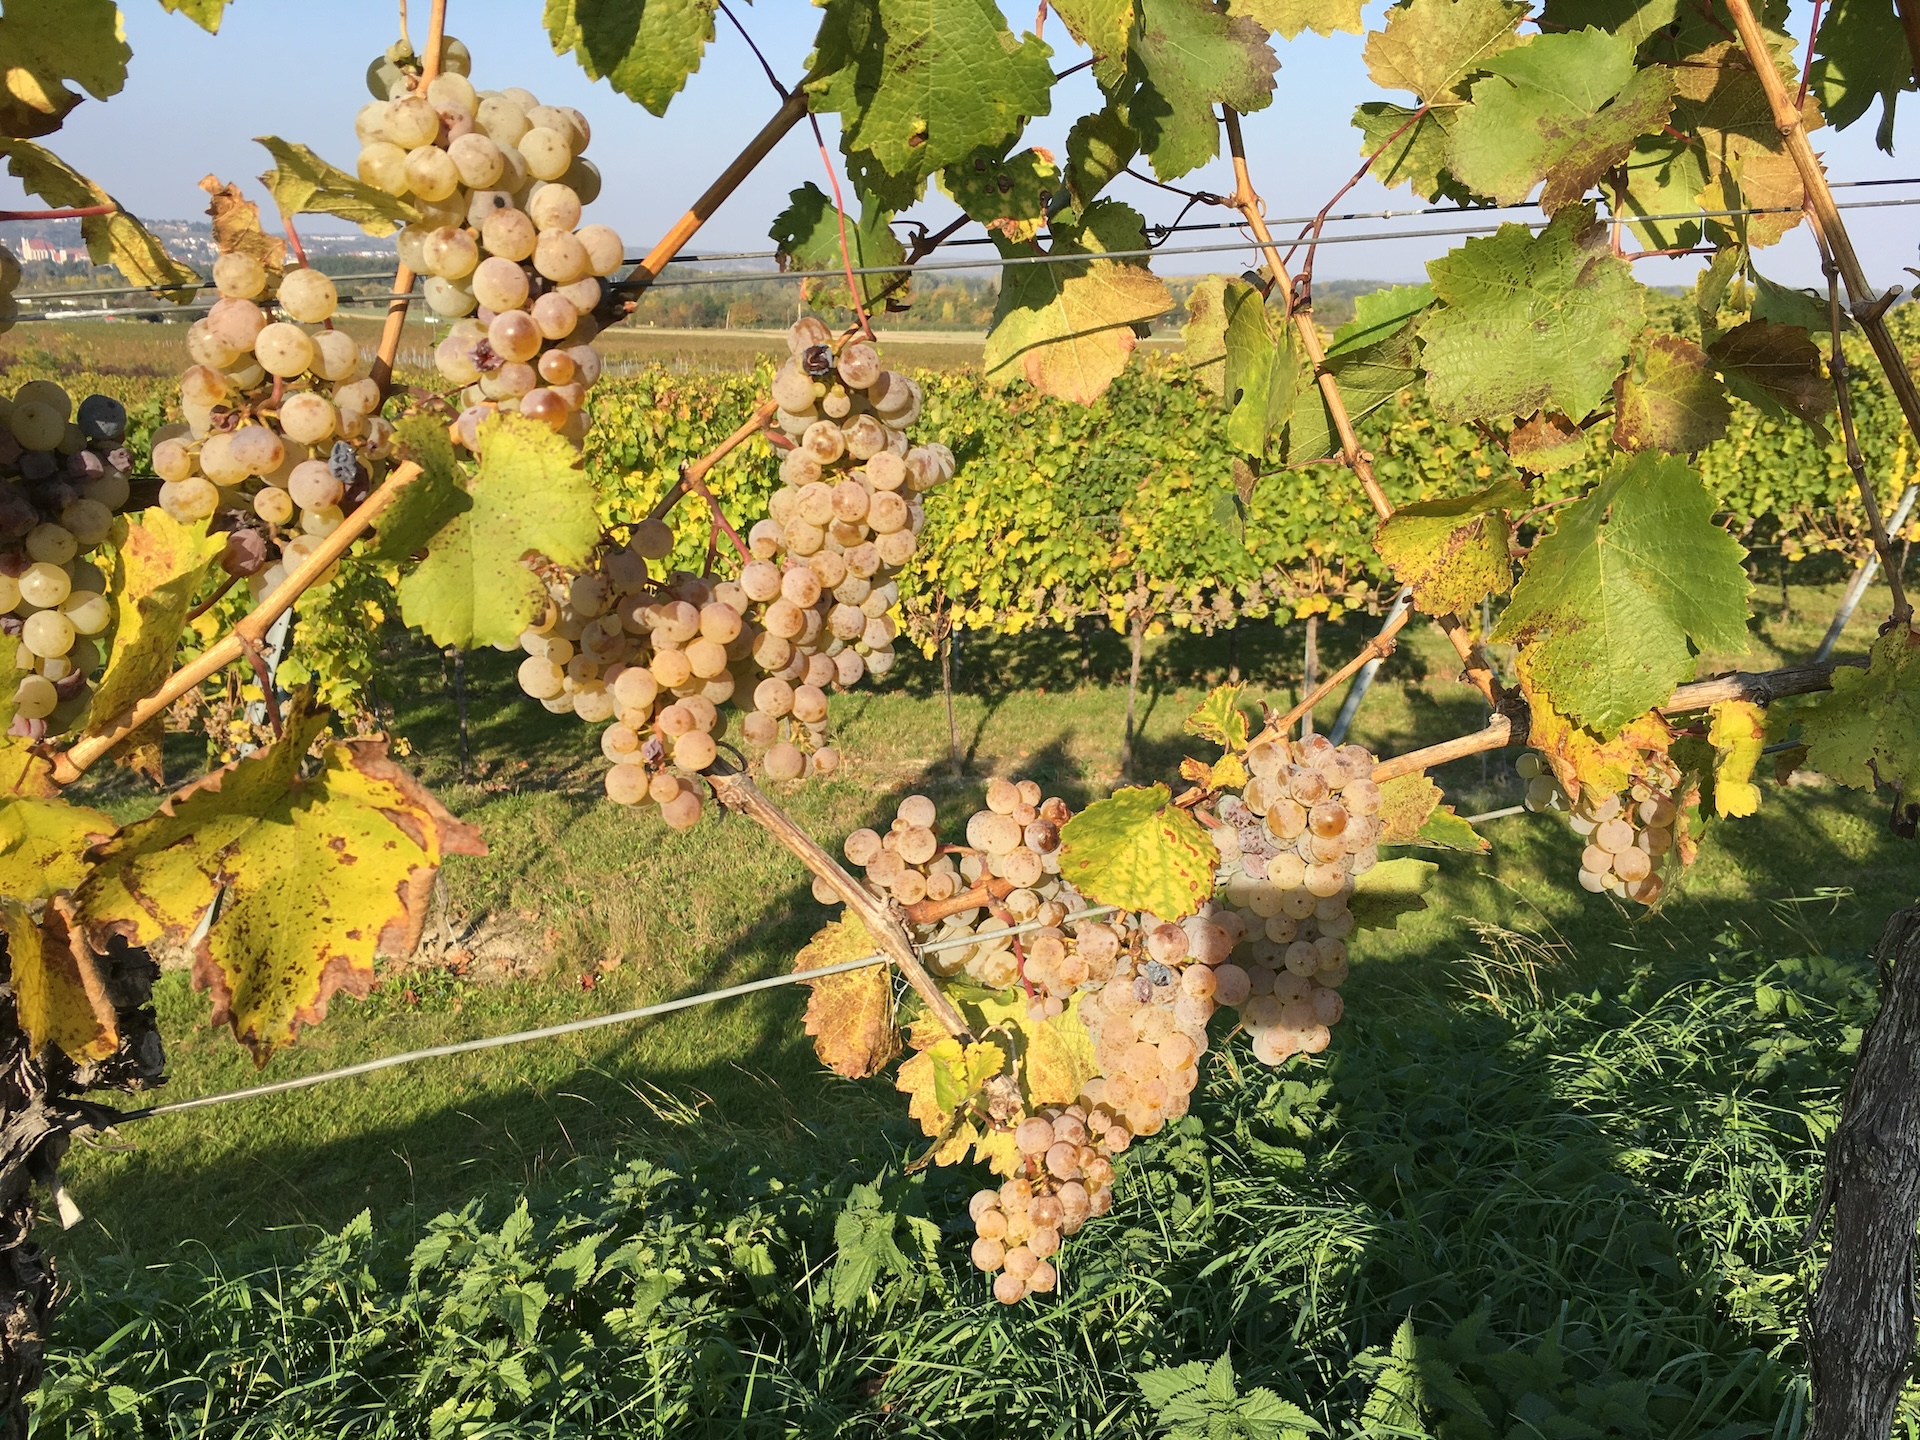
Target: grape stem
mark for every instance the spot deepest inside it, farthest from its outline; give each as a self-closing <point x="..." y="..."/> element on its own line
<point x="403" y="278"/>
<point x="1378" y="648"/>
<point x="1823" y="214"/>
<point x="260" y="673"/>
<point x="212" y="600"/>
<point x="252" y="629"/>
<point x="737" y="791"/>
<point x="83" y="212"/>
<point x="695" y="471"/>
<point x="932" y="912"/>
<point x="1247" y="201"/>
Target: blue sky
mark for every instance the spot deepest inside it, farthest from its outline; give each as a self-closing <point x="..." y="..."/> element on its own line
<point x="193" y="102"/>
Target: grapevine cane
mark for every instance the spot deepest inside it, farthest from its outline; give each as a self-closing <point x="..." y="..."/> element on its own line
<point x="738" y="792"/>
<point x="1378" y="648"/>
<point x="403" y="278"/>
<point x="1246" y="200"/>
<point x="70" y="766"/>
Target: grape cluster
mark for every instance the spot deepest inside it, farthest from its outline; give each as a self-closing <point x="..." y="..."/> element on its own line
<point x="1293" y="841"/>
<point x="9" y="282"/>
<point x="809" y="613"/>
<point x="1629" y="834"/>
<point x="281" y="433"/>
<point x="1064" y="1178"/>
<point x="63" y="475"/>
<point x="500" y="181"/>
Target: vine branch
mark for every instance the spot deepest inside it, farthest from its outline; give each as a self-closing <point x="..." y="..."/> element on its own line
<point x="694" y="472"/>
<point x="82" y="212"/>
<point x="1247" y="201"/>
<point x="1378" y="648"/>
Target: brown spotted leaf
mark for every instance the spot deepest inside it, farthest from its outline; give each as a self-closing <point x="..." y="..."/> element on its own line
<point x="1547" y="442"/>
<point x="1668" y="398"/>
<point x="1776" y="368"/>
<point x="1452" y="552"/>
<point x="849" y="1015"/>
<point x="61" y="998"/>
<point x="315" y="874"/>
<point x="236" y="229"/>
<point x="158" y="565"/>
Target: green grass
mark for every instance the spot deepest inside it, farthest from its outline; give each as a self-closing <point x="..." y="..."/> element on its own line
<point x="1599" y="1105"/>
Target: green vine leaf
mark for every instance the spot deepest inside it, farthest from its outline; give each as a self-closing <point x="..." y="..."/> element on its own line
<point x="1008" y="194"/>
<point x="301" y="183"/>
<point x="1452" y="552"/>
<point x="921" y="84"/>
<point x="1266" y="374"/>
<point x="1530" y="321"/>
<point x="1563" y="109"/>
<point x="1861" y="55"/>
<point x="1866" y="732"/>
<point x="1668" y="398"/>
<point x="530" y="497"/>
<point x="1203" y="338"/>
<point x="1373" y="357"/>
<point x="1103" y="26"/>
<point x="117" y="239"/>
<point x="1720" y="103"/>
<point x="1099" y="147"/>
<point x="1068" y="329"/>
<point x="158" y="567"/>
<point x="314" y="875"/>
<point x="430" y="503"/>
<point x="1612" y="599"/>
<point x="1434" y="47"/>
<point x="48" y="43"/>
<point x="1220" y="718"/>
<point x="645" y="51"/>
<point x="1137" y="851"/>
<point x="1187" y="58"/>
<point x="807" y="236"/>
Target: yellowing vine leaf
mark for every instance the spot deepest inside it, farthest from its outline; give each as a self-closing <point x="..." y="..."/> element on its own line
<point x="1546" y="443"/>
<point x="158" y="566"/>
<point x="43" y="845"/>
<point x="1452" y="552"/>
<point x="1068" y="329"/>
<point x="1008" y="194"/>
<point x="1738" y="730"/>
<point x="1614" y="601"/>
<point x="236" y="229"/>
<point x="1866" y="731"/>
<point x="1229" y="772"/>
<point x="301" y="183"/>
<point x="117" y="239"/>
<point x="849" y="1015"/>
<point x="1137" y="851"/>
<point x="1411" y="813"/>
<point x="1220" y="719"/>
<point x="314" y="877"/>
<point x="1288" y="18"/>
<point x="60" y="997"/>
<point x="529" y="497"/>
<point x="1668" y="398"/>
<point x="1203" y="338"/>
<point x="1580" y="758"/>
<point x="47" y="43"/>
<point x="941" y="1082"/>
<point x="1053" y="1058"/>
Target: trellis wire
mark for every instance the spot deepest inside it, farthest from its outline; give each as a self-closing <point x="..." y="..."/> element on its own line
<point x="592" y="1022"/>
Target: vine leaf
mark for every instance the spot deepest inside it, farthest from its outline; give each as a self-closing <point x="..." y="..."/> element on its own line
<point x="1668" y="398"/>
<point x="1432" y="48"/>
<point x="1136" y="851"/>
<point x="1008" y="194"/>
<point x="943" y="1082"/>
<point x="1563" y="109"/>
<point x="1265" y="372"/>
<point x="1229" y="772"/>
<point x="849" y="1015"/>
<point x="1738" y="731"/>
<point x="1411" y="813"/>
<point x="1187" y="58"/>
<point x="204" y="13"/>
<point x="48" y="43"/>
<point x="1629" y="576"/>
<point x="43" y="845"/>
<point x="1068" y="329"/>
<point x="1637" y="20"/>
<point x="1547" y="442"/>
<point x="23" y="773"/>
<point x="1389" y="890"/>
<point x="1409" y="147"/>
<point x="1373" y="358"/>
<point x="1220" y="718"/>
<point x="1720" y="103"/>
<point x="1866" y="731"/>
<point x="1579" y="758"/>
<point x="1777" y="369"/>
<point x="61" y="999"/>
<point x="117" y="239"/>
<point x="1861" y="55"/>
<point x="1453" y="553"/>
<point x="236" y="229"/>
<point x="1288" y="18"/>
<point x="1053" y="1058"/>
<point x="158" y="565"/>
<point x="530" y="496"/>
<point x="314" y="876"/>
<point x="1530" y="321"/>
<point x="425" y="507"/>
<point x="646" y="52"/>
<point x="1203" y="338"/>
<point x="301" y="183"/>
<point x="1099" y="147"/>
<point x="920" y="84"/>
<point x="807" y="236"/>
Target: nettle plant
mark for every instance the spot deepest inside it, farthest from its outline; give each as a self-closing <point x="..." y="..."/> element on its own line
<point x="1065" y="969"/>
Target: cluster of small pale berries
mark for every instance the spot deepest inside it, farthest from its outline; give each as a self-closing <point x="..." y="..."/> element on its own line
<point x="63" y="475"/>
<point x="499" y="182"/>
<point x="1629" y="834"/>
<point x="1064" y="1177"/>
<point x="1306" y="825"/>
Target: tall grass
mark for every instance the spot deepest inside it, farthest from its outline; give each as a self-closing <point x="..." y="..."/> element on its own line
<point x="1579" y="1188"/>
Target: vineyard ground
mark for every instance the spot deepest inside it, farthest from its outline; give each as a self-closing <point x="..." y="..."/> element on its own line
<point x="583" y="908"/>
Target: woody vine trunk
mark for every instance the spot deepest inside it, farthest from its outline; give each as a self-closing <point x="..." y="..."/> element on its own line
<point x="40" y="1109"/>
